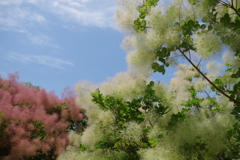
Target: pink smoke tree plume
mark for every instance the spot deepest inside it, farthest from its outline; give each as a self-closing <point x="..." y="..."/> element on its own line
<point x="35" y="124"/>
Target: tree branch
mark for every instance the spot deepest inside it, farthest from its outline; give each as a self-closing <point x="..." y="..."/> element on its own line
<point x="235" y="10"/>
<point x="230" y="6"/>
<point x="235" y="101"/>
<point x="150" y="123"/>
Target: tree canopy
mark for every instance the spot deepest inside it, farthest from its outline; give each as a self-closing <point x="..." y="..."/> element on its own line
<point x="197" y="115"/>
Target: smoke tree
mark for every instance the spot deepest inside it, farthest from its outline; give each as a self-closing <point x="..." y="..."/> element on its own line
<point x="197" y="115"/>
<point x="34" y="124"/>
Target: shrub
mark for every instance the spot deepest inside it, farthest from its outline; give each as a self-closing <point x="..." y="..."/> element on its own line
<point x="34" y="124"/>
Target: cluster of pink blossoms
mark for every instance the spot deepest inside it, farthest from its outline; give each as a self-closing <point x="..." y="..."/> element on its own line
<point x="34" y="123"/>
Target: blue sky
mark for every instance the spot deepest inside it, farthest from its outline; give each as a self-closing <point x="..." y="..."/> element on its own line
<point x="58" y="43"/>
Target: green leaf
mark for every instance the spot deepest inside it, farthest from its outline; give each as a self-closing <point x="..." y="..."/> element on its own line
<point x="193" y="2"/>
<point x="203" y="26"/>
<point x="197" y="25"/>
<point x="164" y="50"/>
<point x="188" y="39"/>
<point x="150" y="3"/>
<point x="177" y="24"/>
<point x="142" y="9"/>
<point x="151" y="141"/>
<point x="236" y="75"/>
<point x="210" y="27"/>
<point x="137" y="21"/>
<point x="162" y="60"/>
<point x="190" y="24"/>
<point x="139" y="25"/>
<point x="158" y="68"/>
<point x="155" y="66"/>
<point x="163" y="70"/>
<point x="183" y="22"/>
<point x="120" y="123"/>
<point x="225" y="19"/>
<point x="121" y="111"/>
<point x="162" y="53"/>
<point x="151" y="84"/>
<point x="142" y="15"/>
<point x="143" y="23"/>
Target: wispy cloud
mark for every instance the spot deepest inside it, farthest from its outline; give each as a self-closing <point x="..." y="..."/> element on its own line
<point x="86" y="13"/>
<point x="43" y="60"/>
<point x="42" y="40"/>
<point x="10" y="2"/>
<point x="15" y="18"/>
<point x="34" y="17"/>
<point x="18" y="14"/>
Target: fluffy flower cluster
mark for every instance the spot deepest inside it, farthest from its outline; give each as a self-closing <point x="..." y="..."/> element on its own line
<point x="126" y="14"/>
<point x="207" y="45"/>
<point x="33" y="122"/>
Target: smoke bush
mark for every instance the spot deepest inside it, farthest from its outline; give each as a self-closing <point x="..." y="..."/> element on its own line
<point x="34" y="123"/>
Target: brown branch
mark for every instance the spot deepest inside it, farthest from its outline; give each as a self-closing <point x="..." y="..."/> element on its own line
<point x="235" y="101"/>
<point x="236" y="4"/>
<point x="235" y="10"/>
<point x="150" y="123"/>
<point x="230" y="6"/>
<point x="138" y="144"/>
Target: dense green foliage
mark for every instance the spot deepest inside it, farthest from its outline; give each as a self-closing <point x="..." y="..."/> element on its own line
<point x="130" y="111"/>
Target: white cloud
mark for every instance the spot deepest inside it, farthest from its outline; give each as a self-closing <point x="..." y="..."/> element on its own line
<point x="10" y="2"/>
<point x="14" y="18"/>
<point x="85" y="12"/>
<point x="42" y="40"/>
<point x="37" y="16"/>
<point x="18" y="14"/>
<point x="90" y="17"/>
<point x="43" y="60"/>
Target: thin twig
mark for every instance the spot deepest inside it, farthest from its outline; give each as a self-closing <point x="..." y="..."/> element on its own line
<point x="138" y="145"/>
<point x="150" y="123"/>
<point x="223" y="3"/>
<point x="189" y="55"/>
<point x="194" y="16"/>
<point x="207" y="94"/>
<point x="199" y="62"/>
<point x="206" y="151"/>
